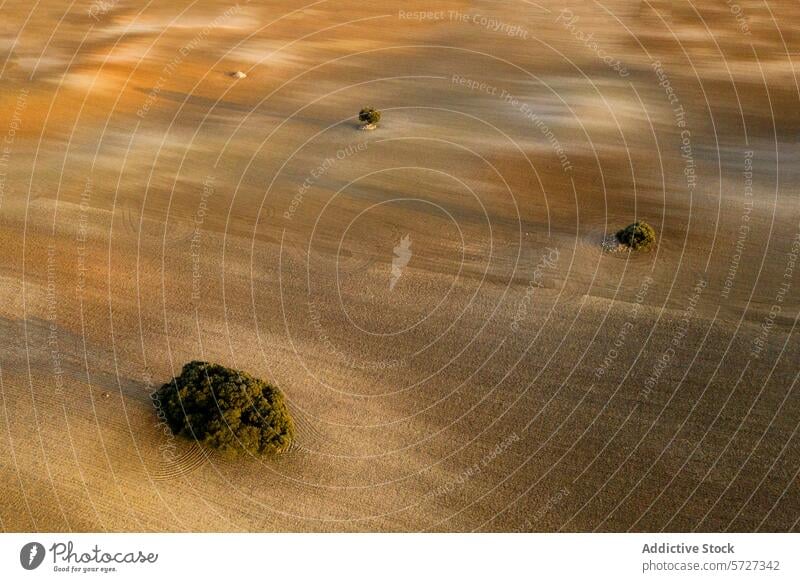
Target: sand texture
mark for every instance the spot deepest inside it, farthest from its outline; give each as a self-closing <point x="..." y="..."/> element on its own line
<point x="461" y="348"/>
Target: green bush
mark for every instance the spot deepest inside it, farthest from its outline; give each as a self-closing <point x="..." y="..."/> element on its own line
<point x="227" y="410"/>
<point x="637" y="236"/>
<point x="369" y="115"/>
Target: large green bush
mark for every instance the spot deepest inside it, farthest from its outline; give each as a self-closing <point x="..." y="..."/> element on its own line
<point x="227" y="410"/>
<point x="637" y="236"/>
<point x="369" y="115"/>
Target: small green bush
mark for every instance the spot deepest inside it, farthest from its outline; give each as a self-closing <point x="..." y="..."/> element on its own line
<point x="369" y="115"/>
<point x="638" y="236"/>
<point x="227" y="410"/>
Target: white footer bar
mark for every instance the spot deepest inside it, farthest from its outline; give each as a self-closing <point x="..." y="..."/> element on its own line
<point x="400" y="557"/>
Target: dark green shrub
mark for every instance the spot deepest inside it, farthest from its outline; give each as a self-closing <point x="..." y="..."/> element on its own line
<point x="227" y="410"/>
<point x="638" y="236"/>
<point x="369" y="115"/>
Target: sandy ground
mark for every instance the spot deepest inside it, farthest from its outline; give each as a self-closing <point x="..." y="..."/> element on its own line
<point x="507" y="374"/>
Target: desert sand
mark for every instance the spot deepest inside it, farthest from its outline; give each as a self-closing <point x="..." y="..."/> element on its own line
<point x="433" y="297"/>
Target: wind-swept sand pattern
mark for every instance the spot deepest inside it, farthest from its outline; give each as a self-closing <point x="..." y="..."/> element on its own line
<point x="433" y="297"/>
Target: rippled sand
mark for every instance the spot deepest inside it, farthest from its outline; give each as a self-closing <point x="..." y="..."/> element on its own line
<point x="497" y="370"/>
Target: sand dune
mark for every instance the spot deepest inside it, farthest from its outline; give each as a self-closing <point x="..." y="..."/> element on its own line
<point x="510" y="375"/>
